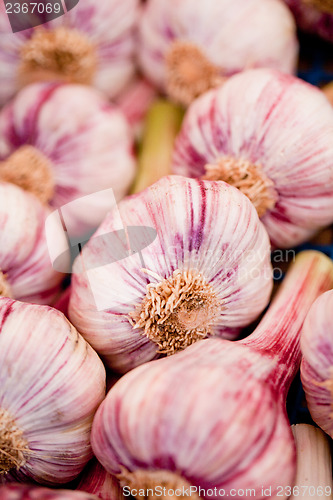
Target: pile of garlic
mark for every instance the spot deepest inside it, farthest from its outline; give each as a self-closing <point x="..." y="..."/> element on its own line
<point x="153" y="154"/>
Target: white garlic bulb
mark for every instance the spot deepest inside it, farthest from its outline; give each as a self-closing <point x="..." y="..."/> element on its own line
<point x="63" y="142"/>
<point x="270" y="135"/>
<point x="186" y="46"/>
<point x="94" y="44"/>
<point x="26" y="272"/>
<point x="51" y="383"/>
<point x="317" y="362"/>
<point x="201" y="267"/>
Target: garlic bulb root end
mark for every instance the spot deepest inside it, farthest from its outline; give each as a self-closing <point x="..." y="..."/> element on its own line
<point x="13" y="447"/>
<point x="249" y="178"/>
<point x="189" y="72"/>
<point x="61" y="53"/>
<point x="148" y="480"/>
<point x="31" y="170"/>
<point x="177" y="311"/>
<point x="5" y="290"/>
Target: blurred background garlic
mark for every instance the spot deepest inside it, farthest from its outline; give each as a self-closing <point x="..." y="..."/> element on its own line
<point x="26" y="272"/>
<point x="314" y="16"/>
<point x="26" y="492"/>
<point x="186" y="46"/>
<point x="203" y="268"/>
<point x="92" y="44"/>
<point x="62" y="142"/>
<point x="317" y="362"/>
<point x="51" y="383"/>
<point x="95" y="479"/>
<point x="214" y="415"/>
<point x="270" y="135"/>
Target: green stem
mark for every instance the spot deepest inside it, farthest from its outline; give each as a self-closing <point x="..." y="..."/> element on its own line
<point x="161" y="128"/>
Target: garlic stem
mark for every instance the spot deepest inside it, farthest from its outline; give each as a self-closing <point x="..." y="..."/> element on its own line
<point x="162" y="125"/>
<point x="31" y="170"/>
<point x="5" y="290"/>
<point x="310" y="275"/>
<point x="62" y="53"/>
<point x="314" y="463"/>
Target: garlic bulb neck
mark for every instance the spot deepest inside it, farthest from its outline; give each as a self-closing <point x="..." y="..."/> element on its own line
<point x="249" y="178"/>
<point x="29" y="169"/>
<point x="13" y="447"/>
<point x="148" y="480"/>
<point x="5" y="290"/>
<point x="62" y="53"/>
<point x="325" y="6"/>
<point x="189" y="72"/>
<point x="177" y="311"/>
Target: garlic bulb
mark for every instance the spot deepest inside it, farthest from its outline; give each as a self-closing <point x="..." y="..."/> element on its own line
<point x="26" y="492"/>
<point x="63" y="142"/>
<point x="26" y="272"/>
<point x="317" y="362"/>
<point x="187" y="46"/>
<point x="271" y="136"/>
<point x="51" y="383"/>
<point x="92" y="44"/>
<point x="214" y="415"/>
<point x="314" y="464"/>
<point x="63" y="301"/>
<point x="314" y="16"/>
<point x="201" y="267"/>
<point x="96" y="480"/>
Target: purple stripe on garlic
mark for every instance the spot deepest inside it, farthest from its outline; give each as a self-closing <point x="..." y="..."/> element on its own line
<point x="207" y="272"/>
<point x="62" y="142"/>
<point x="317" y="362"/>
<point x="26" y="272"/>
<point x="95" y="479"/>
<point x="271" y="136"/>
<point x="51" y="383"/>
<point x="187" y="46"/>
<point x="214" y="415"/>
<point x="92" y="44"/>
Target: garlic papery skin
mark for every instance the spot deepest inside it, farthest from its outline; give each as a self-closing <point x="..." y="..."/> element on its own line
<point x="26" y="492"/>
<point x="188" y="46"/>
<point x="63" y="142"/>
<point x="314" y="463"/>
<point x="214" y="415"/>
<point x="51" y="383"/>
<point x="271" y="136"/>
<point x="314" y="16"/>
<point x="91" y="44"/>
<point x="317" y="361"/>
<point x="96" y="480"/>
<point x="206" y="271"/>
<point x="26" y="272"/>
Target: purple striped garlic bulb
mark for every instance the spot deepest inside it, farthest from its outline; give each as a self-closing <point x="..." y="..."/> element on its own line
<point x="51" y="383"/>
<point x="314" y="16"/>
<point x="271" y="136"/>
<point x="96" y="480"/>
<point x="214" y="415"/>
<point x="204" y="271"/>
<point x="26" y="492"/>
<point x="187" y="46"/>
<point x="26" y="272"/>
<point x="92" y="44"/>
<point x="63" y="142"/>
<point x="317" y="361"/>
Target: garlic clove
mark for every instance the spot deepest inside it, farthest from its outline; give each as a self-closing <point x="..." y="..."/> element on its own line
<point x="91" y="44"/>
<point x="26" y="272"/>
<point x="26" y="492"/>
<point x="51" y="383"/>
<point x="314" y="463"/>
<point x="198" y="276"/>
<point x="96" y="480"/>
<point x="62" y="153"/>
<point x="274" y="144"/>
<point x="317" y="362"/>
<point x="186" y="47"/>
